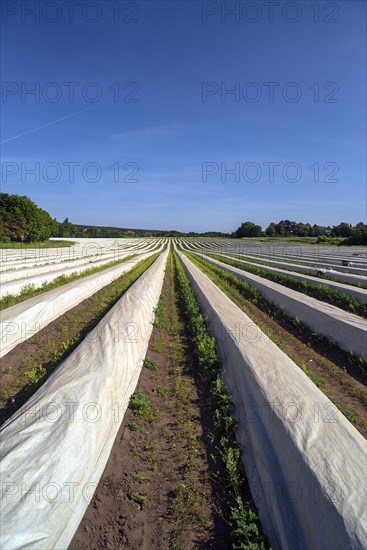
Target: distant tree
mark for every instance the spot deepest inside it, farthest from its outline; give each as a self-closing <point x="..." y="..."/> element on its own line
<point x="317" y="231"/>
<point x="271" y="231"/>
<point x="302" y="230"/>
<point x="248" y="229"/>
<point x="342" y="230"/>
<point x="67" y="229"/>
<point x="358" y="235"/>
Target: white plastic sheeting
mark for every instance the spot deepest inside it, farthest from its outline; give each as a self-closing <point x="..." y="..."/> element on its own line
<point x="306" y="464"/>
<point x="351" y="275"/>
<point x="112" y="255"/>
<point x="344" y="328"/>
<point x="55" y="448"/>
<point x="14" y="287"/>
<point x="31" y="277"/>
<point x="359" y="294"/>
<point x="283" y="256"/>
<point x="22" y="321"/>
<point x="84" y="249"/>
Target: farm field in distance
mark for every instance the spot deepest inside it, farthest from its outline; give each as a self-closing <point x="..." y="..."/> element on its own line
<point x="195" y="344"/>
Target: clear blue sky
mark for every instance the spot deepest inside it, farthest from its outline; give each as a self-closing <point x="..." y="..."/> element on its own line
<point x="170" y="50"/>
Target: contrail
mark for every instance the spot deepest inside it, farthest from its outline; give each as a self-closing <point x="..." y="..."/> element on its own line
<point x="48" y="124"/>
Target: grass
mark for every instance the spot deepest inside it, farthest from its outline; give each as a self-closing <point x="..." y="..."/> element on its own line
<point x="29" y="291"/>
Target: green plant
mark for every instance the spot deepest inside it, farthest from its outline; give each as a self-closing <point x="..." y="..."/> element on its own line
<point x="141" y="406"/>
<point x="140" y="499"/>
<point x="160" y="391"/>
<point x="246" y="532"/>
<point x="150" y="364"/>
<point x="187" y="503"/>
<point x="134" y="426"/>
<point x="36" y="374"/>
<point x="159" y="346"/>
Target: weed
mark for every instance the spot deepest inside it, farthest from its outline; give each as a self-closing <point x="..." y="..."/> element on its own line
<point x="159" y="346"/>
<point x="140" y="477"/>
<point x="134" y="426"/>
<point x="150" y="364"/>
<point x="187" y="504"/>
<point x="141" y="406"/>
<point x="36" y="374"/>
<point x="140" y="499"/>
<point x="160" y="391"/>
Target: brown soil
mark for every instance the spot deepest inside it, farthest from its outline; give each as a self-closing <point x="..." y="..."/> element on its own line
<point x="168" y="459"/>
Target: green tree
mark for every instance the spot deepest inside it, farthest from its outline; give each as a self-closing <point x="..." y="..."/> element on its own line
<point x="271" y="231"/>
<point x="358" y="234"/>
<point x="342" y="230"/>
<point x="248" y="229"/>
<point x="19" y="216"/>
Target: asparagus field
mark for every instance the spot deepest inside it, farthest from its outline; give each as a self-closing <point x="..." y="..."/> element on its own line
<point x="183" y="393"/>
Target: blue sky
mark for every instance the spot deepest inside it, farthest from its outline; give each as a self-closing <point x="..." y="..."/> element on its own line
<point x="173" y="131"/>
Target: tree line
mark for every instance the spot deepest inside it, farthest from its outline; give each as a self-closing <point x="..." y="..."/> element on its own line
<point x="285" y="228"/>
